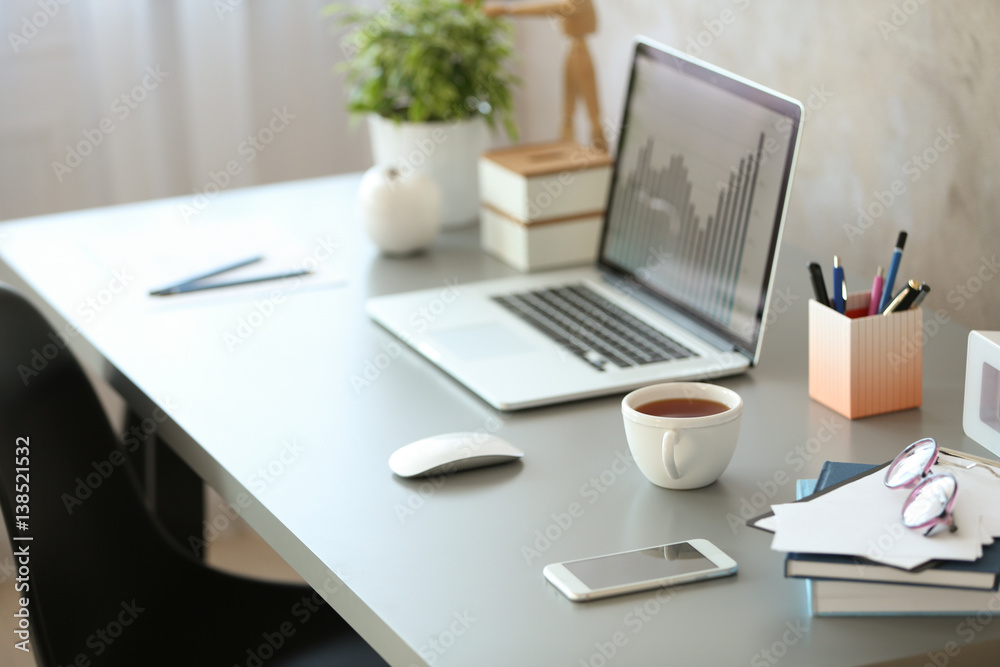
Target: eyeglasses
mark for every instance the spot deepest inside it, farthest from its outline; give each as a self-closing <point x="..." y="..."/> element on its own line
<point x="930" y="505"/>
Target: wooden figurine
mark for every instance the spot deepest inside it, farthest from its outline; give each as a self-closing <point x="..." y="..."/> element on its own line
<point x="578" y="21"/>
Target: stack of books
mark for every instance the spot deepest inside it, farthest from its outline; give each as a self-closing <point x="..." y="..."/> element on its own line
<point x="542" y="205"/>
<point x="850" y="586"/>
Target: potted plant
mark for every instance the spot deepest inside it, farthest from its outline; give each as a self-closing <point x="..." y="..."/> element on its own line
<point x="433" y="77"/>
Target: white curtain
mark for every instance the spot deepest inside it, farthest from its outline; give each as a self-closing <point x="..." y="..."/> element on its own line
<point x="109" y="101"/>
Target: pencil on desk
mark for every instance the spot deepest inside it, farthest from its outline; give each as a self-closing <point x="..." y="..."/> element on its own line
<point x="198" y="286"/>
<point x="174" y="289"/>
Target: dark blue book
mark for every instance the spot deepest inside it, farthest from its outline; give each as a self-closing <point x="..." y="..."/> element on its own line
<point x="982" y="574"/>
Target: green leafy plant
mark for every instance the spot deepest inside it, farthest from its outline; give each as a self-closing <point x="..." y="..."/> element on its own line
<point x="428" y="60"/>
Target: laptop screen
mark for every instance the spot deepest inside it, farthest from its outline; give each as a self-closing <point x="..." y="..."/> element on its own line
<point x="697" y="199"/>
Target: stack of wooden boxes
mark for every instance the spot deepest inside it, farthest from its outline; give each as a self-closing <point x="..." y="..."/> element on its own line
<point x="542" y="205"/>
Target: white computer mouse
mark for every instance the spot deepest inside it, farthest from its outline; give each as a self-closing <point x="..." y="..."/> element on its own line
<point x="451" y="452"/>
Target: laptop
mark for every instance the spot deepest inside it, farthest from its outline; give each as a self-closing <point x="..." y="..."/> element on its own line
<point x="689" y="247"/>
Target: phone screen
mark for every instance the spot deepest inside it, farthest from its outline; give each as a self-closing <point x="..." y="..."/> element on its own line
<point x="642" y="565"/>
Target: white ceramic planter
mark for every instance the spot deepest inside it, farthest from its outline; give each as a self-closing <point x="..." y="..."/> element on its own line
<point x="448" y="152"/>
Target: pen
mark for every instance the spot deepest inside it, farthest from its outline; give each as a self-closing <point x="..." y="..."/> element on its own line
<point x="172" y="289"/>
<point x="819" y="285"/>
<point x="876" y="296"/>
<point x="890" y="279"/>
<point x="904" y="299"/>
<point x="839" y="286"/>
<point x="196" y="285"/>
<point x="924" y="289"/>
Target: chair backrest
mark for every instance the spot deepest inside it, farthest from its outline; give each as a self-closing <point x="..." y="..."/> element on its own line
<point x="65" y="484"/>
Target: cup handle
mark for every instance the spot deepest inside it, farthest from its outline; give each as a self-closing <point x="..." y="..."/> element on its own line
<point x="669" y="440"/>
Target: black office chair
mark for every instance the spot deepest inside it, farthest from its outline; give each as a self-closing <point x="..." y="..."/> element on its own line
<point x="104" y="579"/>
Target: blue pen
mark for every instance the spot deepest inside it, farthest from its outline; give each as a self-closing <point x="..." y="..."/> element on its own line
<point x="839" y="288"/>
<point x="890" y="278"/>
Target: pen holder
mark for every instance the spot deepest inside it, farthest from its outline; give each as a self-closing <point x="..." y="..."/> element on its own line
<point x="868" y="364"/>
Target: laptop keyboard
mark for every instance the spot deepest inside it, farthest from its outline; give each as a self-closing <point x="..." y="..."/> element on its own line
<point x="592" y="328"/>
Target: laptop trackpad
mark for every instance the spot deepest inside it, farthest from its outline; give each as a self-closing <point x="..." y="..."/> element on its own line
<point x="480" y="341"/>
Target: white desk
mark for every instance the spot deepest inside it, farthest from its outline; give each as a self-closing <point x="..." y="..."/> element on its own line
<point x="449" y="573"/>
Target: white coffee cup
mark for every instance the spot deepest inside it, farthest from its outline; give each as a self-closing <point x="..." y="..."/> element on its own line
<point x="682" y="452"/>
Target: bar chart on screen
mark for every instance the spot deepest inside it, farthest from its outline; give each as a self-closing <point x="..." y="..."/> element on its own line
<point x="706" y="248"/>
<point x="696" y="202"/>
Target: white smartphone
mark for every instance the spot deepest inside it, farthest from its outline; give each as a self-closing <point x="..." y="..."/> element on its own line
<point x="639" y="570"/>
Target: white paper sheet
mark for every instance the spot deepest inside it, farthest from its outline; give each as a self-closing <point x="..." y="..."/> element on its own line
<point x="863" y="519"/>
<point x="168" y="252"/>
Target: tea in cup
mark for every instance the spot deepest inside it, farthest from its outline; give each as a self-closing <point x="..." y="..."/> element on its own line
<point x="682" y="435"/>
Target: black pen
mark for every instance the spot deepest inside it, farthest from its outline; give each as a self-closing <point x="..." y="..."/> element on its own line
<point x="197" y="285"/>
<point x="924" y="289"/>
<point x="904" y="299"/>
<point x="819" y="285"/>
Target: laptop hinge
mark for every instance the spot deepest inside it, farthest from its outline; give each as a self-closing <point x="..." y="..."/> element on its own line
<point x="643" y="296"/>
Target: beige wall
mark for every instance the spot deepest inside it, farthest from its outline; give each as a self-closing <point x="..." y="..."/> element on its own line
<point x="883" y="81"/>
<point x="882" y="84"/>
